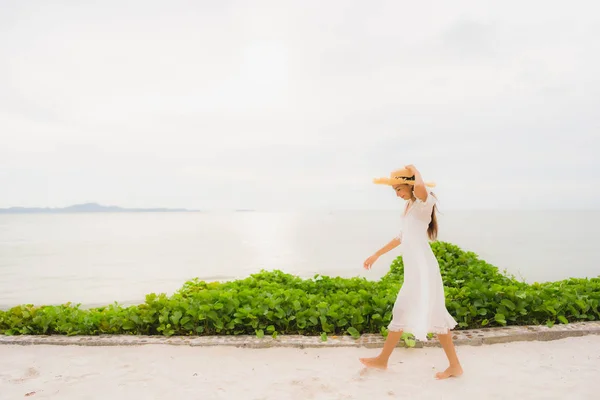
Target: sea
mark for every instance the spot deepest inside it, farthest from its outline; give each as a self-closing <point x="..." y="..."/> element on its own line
<point x="97" y="259"/>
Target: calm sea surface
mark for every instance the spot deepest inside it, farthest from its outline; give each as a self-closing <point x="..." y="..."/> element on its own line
<point x="97" y="259"/>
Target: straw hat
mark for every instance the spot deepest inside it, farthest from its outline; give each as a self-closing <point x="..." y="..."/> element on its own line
<point x="400" y="177"/>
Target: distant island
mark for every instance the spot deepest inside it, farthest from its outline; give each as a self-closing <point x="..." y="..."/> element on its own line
<point x="86" y="208"/>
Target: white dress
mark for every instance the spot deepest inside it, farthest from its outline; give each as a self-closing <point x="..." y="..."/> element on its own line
<point x="420" y="307"/>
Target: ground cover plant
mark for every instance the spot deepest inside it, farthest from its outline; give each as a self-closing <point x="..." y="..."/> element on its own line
<point x="274" y="303"/>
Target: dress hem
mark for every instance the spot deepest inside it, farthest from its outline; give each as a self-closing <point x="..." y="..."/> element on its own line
<point x="441" y="330"/>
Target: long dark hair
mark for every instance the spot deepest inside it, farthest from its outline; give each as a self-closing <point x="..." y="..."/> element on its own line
<point x="432" y="229"/>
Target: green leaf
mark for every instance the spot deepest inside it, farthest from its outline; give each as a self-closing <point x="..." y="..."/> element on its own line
<point x="128" y="325"/>
<point x="551" y="309"/>
<point x="260" y="333"/>
<point x="176" y="317"/>
<point x="508" y="304"/>
<point x="353" y="332"/>
<point x="562" y="319"/>
<point x="500" y="318"/>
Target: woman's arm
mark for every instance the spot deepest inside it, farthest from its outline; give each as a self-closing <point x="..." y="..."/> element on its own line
<point x="420" y="190"/>
<point x="395" y="242"/>
<point x="371" y="260"/>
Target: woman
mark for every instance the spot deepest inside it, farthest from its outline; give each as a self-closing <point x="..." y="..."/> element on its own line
<point x="420" y="307"/>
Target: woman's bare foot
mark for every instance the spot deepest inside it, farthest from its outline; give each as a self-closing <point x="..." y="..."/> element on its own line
<point x="453" y="370"/>
<point x="374" y="362"/>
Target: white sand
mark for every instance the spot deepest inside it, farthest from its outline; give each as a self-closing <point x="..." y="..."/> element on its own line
<point x="568" y="368"/>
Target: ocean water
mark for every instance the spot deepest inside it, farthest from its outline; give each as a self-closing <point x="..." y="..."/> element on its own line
<point x="97" y="259"/>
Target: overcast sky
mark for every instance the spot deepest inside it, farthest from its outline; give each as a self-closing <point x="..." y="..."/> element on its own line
<point x="298" y="104"/>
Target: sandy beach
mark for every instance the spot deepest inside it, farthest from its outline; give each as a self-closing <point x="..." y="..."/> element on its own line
<point x="567" y="368"/>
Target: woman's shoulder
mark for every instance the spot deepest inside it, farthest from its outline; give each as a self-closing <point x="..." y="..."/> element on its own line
<point x="431" y="199"/>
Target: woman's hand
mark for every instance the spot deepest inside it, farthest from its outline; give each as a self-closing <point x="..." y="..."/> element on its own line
<point x="412" y="169"/>
<point x="370" y="261"/>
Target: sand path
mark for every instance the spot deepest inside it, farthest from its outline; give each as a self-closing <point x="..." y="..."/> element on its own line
<point x="567" y="368"/>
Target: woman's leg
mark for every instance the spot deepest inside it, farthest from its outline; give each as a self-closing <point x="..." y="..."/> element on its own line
<point x="381" y="361"/>
<point x="455" y="368"/>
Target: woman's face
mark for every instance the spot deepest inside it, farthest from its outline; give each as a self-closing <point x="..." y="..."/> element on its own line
<point x="404" y="191"/>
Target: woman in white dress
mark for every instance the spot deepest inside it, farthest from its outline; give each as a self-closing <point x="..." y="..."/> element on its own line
<point x="420" y="307"/>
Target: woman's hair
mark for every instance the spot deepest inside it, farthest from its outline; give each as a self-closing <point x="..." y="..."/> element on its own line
<point x="432" y="229"/>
